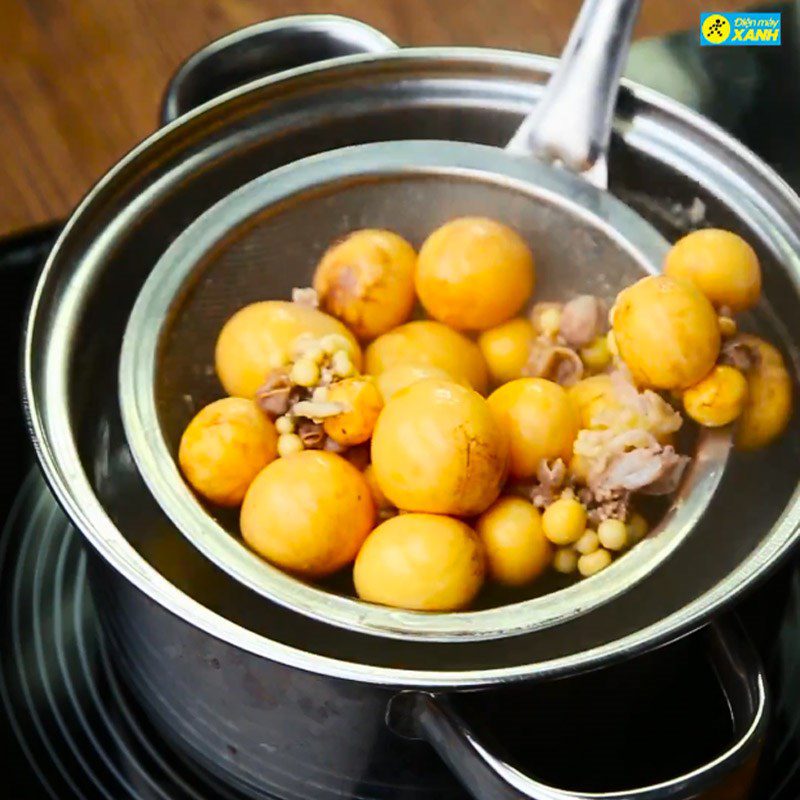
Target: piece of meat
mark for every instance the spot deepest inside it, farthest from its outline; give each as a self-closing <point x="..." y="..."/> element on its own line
<point x="631" y="471"/>
<point x="551" y="474"/>
<point x="605" y="504"/>
<point x="599" y="447"/>
<point x="568" y="369"/>
<point x="546" y="318"/>
<point x="312" y="434"/>
<point x="305" y="297"/>
<point x="275" y="395"/>
<point x="317" y="411"/>
<point x="660" y="417"/>
<point x="554" y="362"/>
<point x="647" y="409"/>
<point x="625" y="389"/>
<point x="583" y="319"/>
<point x="736" y="352"/>
<point x="649" y="470"/>
<point x="550" y="479"/>
<point x="674" y="465"/>
<point x="613" y="505"/>
<point x="541" y="496"/>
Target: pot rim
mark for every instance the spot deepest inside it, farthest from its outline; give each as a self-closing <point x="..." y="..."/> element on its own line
<point x="58" y="457"/>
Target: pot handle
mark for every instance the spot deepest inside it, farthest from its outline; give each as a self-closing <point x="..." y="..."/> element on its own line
<point x="432" y="717"/>
<point x="265" y="49"/>
<point x="571" y="124"/>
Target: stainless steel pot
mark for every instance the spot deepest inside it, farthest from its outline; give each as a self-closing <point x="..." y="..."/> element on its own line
<point x="281" y="704"/>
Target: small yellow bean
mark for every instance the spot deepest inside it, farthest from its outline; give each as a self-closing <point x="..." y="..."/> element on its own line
<point x="588" y="543"/>
<point x="596" y="356"/>
<point x="637" y="528"/>
<point x="550" y="321"/>
<point x="288" y="444"/>
<point x="593" y="563"/>
<point x="341" y="364"/>
<point x="315" y="353"/>
<point x="565" y="561"/>
<point x="284" y="424"/>
<point x="320" y="394"/>
<point x="613" y="534"/>
<point x="727" y="327"/>
<point x="564" y="521"/>
<point x="304" y="373"/>
<point x="333" y="342"/>
<point x="302" y="344"/>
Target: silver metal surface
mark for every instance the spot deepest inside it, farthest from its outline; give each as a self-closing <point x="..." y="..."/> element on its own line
<point x="198" y="625"/>
<point x="571" y="125"/>
<point x="584" y="239"/>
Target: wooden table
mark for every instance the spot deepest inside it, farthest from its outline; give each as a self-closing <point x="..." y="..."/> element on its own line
<point x="80" y="80"/>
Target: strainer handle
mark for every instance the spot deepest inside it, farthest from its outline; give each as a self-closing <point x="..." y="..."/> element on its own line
<point x="487" y="776"/>
<point x="571" y="124"/>
<point x="263" y="50"/>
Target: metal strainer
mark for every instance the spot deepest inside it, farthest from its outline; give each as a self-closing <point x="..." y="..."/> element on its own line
<point x="266" y="238"/>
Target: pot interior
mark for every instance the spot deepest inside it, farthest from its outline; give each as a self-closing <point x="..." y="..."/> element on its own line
<point x="662" y="163"/>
